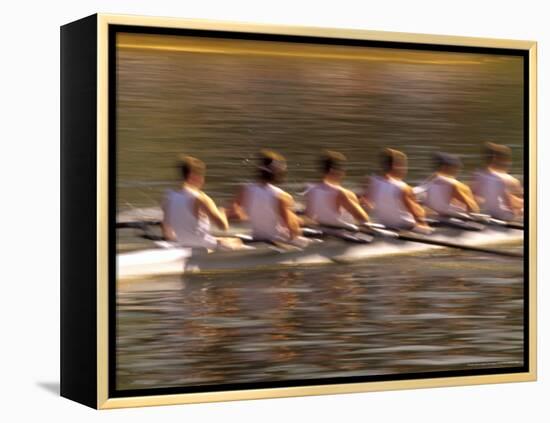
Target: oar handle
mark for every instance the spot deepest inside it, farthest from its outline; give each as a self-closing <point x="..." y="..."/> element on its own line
<point x="511" y="225"/>
<point x="487" y="219"/>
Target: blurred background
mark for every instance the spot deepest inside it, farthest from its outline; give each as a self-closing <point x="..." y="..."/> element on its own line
<point x="223" y="100"/>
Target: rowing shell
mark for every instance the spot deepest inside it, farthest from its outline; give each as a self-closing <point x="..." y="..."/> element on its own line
<point x="177" y="260"/>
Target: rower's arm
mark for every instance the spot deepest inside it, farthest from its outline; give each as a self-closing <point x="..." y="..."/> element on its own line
<point x="207" y="205"/>
<point x="517" y="188"/>
<point x="412" y="206"/>
<point x="237" y="207"/>
<point x="290" y="219"/>
<point x="167" y="231"/>
<point x="463" y="193"/>
<point x="514" y="195"/>
<point x="365" y="196"/>
<point x="349" y="202"/>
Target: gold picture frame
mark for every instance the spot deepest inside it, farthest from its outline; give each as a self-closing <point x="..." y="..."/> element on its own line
<point x="86" y="380"/>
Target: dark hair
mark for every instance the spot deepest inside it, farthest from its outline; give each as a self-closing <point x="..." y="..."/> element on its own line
<point x="494" y="151"/>
<point x="446" y="159"/>
<point x="391" y="158"/>
<point x="332" y="160"/>
<point x="189" y="164"/>
<point x="272" y="166"/>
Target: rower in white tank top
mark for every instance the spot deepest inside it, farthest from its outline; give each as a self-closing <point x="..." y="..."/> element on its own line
<point x="191" y="230"/>
<point x="391" y="198"/>
<point x="189" y="211"/>
<point x="443" y="193"/>
<point x="439" y="194"/>
<point x="328" y="202"/>
<point x="499" y="193"/>
<point x="261" y="204"/>
<point x="386" y="195"/>
<point x="491" y="188"/>
<point x="322" y="205"/>
<point x="269" y="209"/>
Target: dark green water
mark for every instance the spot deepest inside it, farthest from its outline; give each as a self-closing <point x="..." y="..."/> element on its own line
<point x="421" y="313"/>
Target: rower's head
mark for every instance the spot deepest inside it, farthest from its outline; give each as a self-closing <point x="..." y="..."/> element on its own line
<point x="333" y="165"/>
<point x="448" y="164"/>
<point x="271" y="166"/>
<point x="394" y="163"/>
<point x="498" y="156"/>
<point x="192" y="171"/>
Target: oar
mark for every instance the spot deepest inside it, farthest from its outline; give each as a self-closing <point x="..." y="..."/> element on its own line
<point x="405" y="236"/>
<point x="136" y="224"/>
<point x="487" y="219"/>
<point x="511" y="225"/>
<point x="473" y="222"/>
<point x="346" y="234"/>
<point x="380" y="230"/>
<point x="453" y="222"/>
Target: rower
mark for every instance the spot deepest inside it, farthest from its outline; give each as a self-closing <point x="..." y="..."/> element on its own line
<point x="187" y="212"/>
<point x="444" y="193"/>
<point x="499" y="194"/>
<point x="393" y="201"/>
<point x="327" y="202"/>
<point x="267" y="207"/>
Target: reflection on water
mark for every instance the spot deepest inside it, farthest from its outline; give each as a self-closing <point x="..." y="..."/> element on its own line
<point x="318" y="322"/>
<point x="422" y="313"/>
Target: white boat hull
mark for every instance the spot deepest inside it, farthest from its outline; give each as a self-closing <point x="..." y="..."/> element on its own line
<point x="165" y="261"/>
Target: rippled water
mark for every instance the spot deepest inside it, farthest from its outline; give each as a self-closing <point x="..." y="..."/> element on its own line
<point x="442" y="311"/>
<point x="459" y="312"/>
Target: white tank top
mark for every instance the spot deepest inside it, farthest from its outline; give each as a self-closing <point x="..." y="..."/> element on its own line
<point x="190" y="231"/>
<point x="261" y="206"/>
<point x="491" y="187"/>
<point x="321" y="201"/>
<point x="439" y="194"/>
<point x="389" y="208"/>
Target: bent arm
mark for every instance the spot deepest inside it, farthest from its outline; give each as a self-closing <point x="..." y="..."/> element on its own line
<point x="367" y="194"/>
<point x="463" y="193"/>
<point x="289" y="218"/>
<point x="412" y="206"/>
<point x="217" y="216"/>
<point x="349" y="202"/>
<point x="237" y="207"/>
<point x="514" y="197"/>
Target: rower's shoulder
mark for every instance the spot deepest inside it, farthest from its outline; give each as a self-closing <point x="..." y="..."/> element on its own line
<point x="451" y="180"/>
<point x="284" y="196"/>
<point x="347" y="192"/>
<point x="400" y="183"/>
<point x="510" y="179"/>
<point x="406" y="189"/>
<point x="203" y="197"/>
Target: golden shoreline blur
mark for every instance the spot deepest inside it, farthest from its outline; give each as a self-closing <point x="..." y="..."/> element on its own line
<point x="191" y="44"/>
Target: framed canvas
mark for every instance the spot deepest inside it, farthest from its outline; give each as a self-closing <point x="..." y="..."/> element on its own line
<point x="255" y="211"/>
